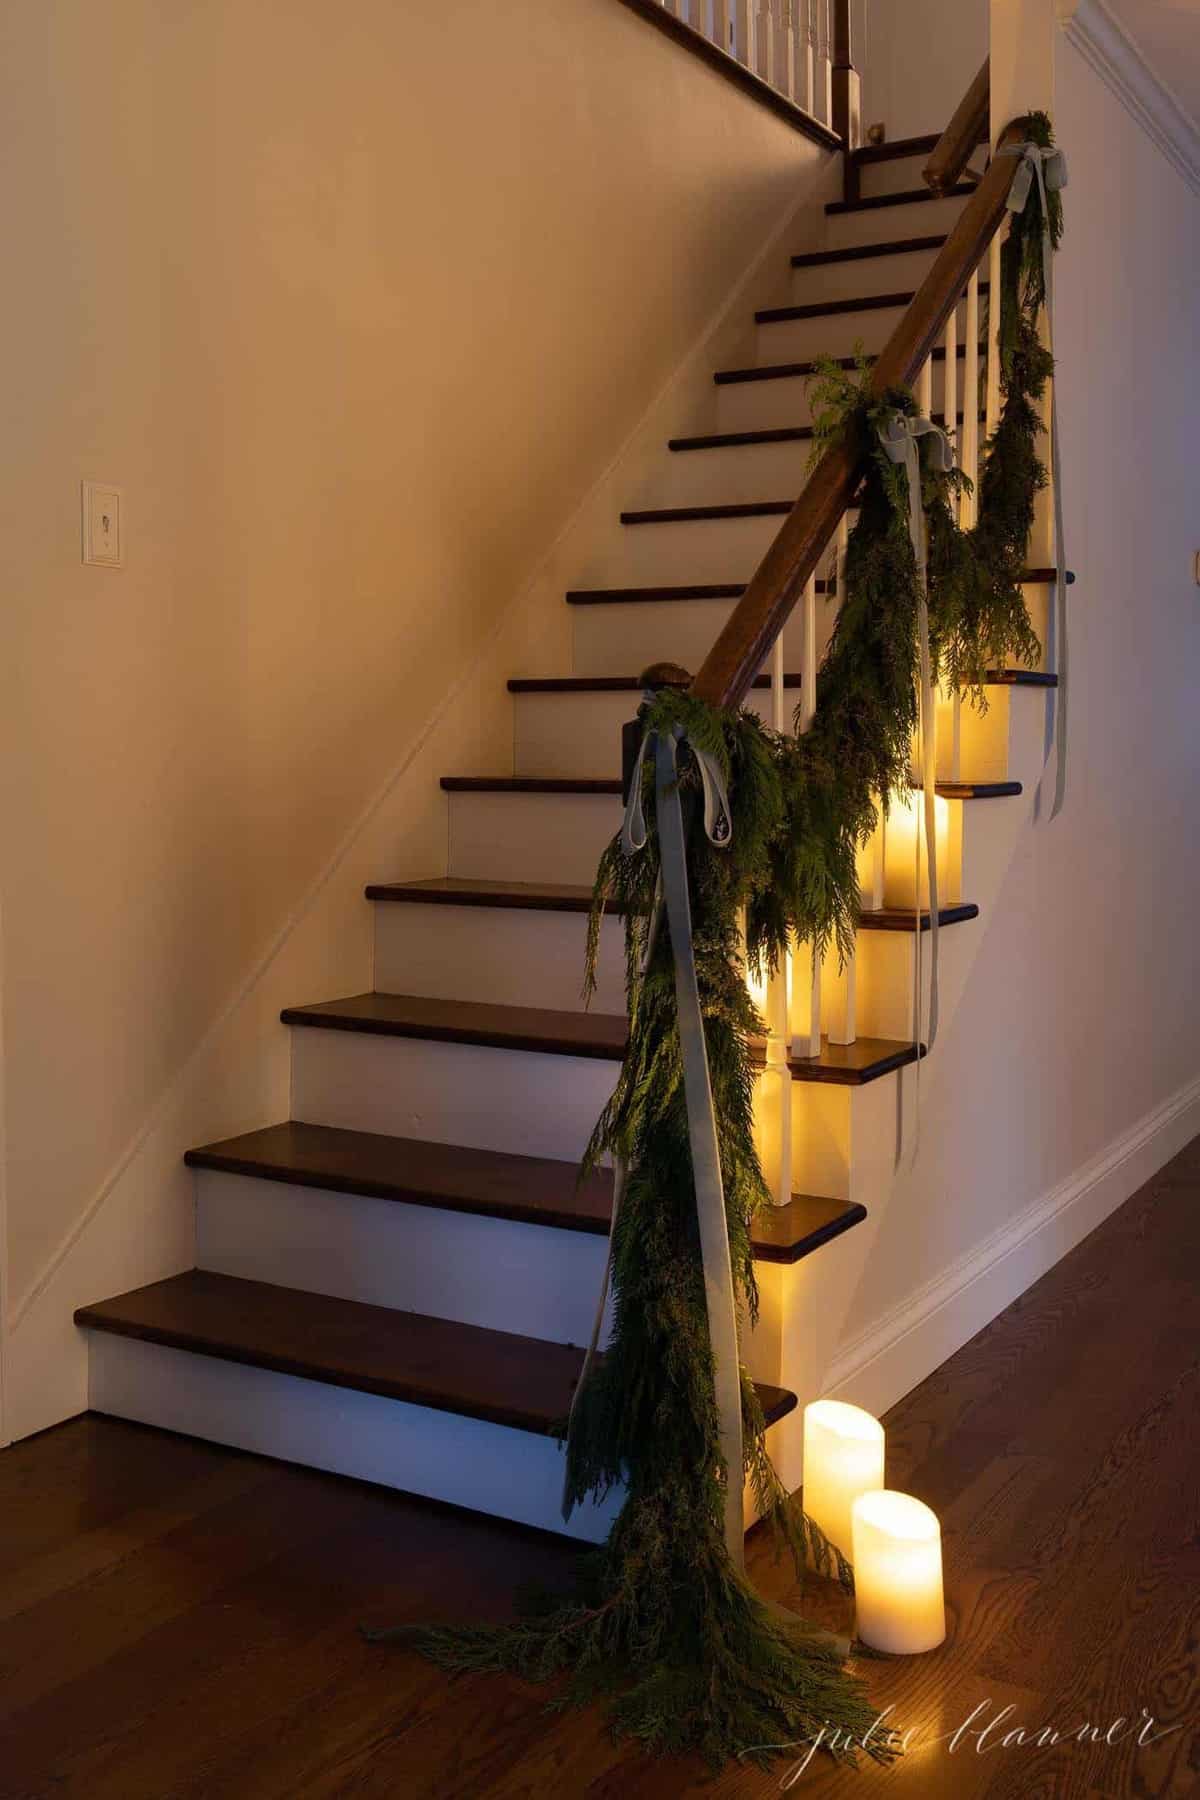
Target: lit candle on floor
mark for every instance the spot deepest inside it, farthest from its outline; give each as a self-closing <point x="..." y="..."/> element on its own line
<point x="897" y="1573"/>
<point x="843" y="1458"/>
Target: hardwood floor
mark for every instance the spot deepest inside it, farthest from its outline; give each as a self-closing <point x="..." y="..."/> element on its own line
<point x="179" y="1621"/>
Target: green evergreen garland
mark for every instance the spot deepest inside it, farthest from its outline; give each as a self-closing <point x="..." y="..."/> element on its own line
<point x="685" y="1652"/>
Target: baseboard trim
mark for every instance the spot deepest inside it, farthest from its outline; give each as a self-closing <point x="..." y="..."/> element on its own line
<point x="913" y="1339"/>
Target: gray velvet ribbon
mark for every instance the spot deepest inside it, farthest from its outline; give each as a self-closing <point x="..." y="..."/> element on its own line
<point x="900" y="436"/>
<point x="673" y="898"/>
<point x="1048" y="168"/>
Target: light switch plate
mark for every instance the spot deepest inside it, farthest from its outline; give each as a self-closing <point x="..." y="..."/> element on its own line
<point x="102" y="539"/>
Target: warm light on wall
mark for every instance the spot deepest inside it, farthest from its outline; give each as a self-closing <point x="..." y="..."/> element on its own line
<point x="897" y="1557"/>
<point x="843" y="1458"/>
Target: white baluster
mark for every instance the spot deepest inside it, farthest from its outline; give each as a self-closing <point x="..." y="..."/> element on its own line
<point x="765" y="45"/>
<point x="743" y="19"/>
<point x="698" y="11"/>
<point x="950" y="384"/>
<point x="805" y="26"/>
<point x="925" y="388"/>
<point x="722" y="24"/>
<point x="806" y="982"/>
<point x="843" y="998"/>
<point x="808" y="664"/>
<point x="875" y="889"/>
<point x="775" y="1109"/>
<point x="970" y="430"/>
<point x="950" y="405"/>
<point x="785" y="54"/>
<point x="825" y="13"/>
<point x="993" y="363"/>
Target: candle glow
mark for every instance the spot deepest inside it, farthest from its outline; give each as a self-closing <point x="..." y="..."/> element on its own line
<point x="843" y="1458"/>
<point x="898" y="1573"/>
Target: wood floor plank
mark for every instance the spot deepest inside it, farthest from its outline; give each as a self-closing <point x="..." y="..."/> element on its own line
<point x="182" y="1621"/>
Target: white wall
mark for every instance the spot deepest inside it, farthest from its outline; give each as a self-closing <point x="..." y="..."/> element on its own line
<point x="357" y="305"/>
<point x="917" y="59"/>
<point x="1078" y="1040"/>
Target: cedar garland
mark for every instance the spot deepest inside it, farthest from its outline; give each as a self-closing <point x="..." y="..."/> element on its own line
<point x="661" y="1626"/>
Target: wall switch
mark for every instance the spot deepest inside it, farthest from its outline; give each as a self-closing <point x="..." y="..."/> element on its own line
<point x="102" y="542"/>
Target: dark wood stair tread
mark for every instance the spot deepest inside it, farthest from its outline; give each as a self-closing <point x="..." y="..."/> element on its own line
<point x="532" y="1028"/>
<point x="978" y="790"/>
<point x="633" y="684"/>
<point x="678" y="515"/>
<point x="899" y="149"/>
<point x="531" y="1190"/>
<point x="567" y="784"/>
<point x="906" y="197"/>
<point x="791" y="370"/>
<point x="544" y="1031"/>
<point x="731" y="590"/>
<point x="827" y="309"/>
<point x="522" y="1382"/>
<point x="452" y="890"/>
<point x="820" y="259"/>
<point x="605" y="684"/>
<point x="770" y="434"/>
<point x="895" y="149"/>
<point x="705" y="590"/>
<point x="531" y="784"/>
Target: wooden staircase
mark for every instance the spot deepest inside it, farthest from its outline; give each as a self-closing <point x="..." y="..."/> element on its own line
<point x="396" y="1282"/>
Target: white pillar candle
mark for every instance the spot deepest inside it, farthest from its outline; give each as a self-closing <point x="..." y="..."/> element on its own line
<point x="898" y="1573"/>
<point x="903" y="880"/>
<point x="843" y="1458"/>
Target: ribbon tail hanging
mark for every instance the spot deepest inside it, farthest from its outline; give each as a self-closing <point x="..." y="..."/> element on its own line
<point x="719" y="1293"/>
<point x="1048" y="168"/>
<point x="620" y="1178"/>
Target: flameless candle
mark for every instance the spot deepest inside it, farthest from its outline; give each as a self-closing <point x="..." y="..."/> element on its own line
<point x="904" y="821"/>
<point x="843" y="1458"/>
<point x="897" y="1573"/>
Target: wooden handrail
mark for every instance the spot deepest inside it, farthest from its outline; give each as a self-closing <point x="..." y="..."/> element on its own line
<point x="967" y="128"/>
<point x="726" y="675"/>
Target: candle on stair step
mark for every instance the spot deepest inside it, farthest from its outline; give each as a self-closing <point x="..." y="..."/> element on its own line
<point x="843" y="1458"/>
<point x="903" y="880"/>
<point x="897" y="1557"/>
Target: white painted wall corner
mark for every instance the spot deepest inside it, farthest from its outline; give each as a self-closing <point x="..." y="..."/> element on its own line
<point x="889" y="1358"/>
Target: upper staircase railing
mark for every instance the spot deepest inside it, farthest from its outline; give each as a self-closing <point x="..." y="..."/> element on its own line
<point x="790" y="565"/>
<point x="799" y="48"/>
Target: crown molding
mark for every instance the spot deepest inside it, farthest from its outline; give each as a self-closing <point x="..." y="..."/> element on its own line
<point x="1108" y="48"/>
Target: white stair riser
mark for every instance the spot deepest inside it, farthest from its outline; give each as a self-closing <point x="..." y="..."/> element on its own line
<point x="468" y="1462"/>
<point x="918" y="218"/>
<point x="506" y="956"/>
<point x="499" y="1273"/>
<point x="525" y="1102"/>
<point x="624" y="638"/>
<point x="620" y="638"/>
<point x="683" y="551"/>
<point x="899" y="174"/>
<point x="717" y="477"/>
<point x="865" y="275"/>
<point x="580" y="734"/>
<point x="490" y="1469"/>
<point x="760" y="405"/>
<point x="833" y="334"/>
<point x="830" y="334"/>
<point x="438" y="950"/>
<point x="531" y="837"/>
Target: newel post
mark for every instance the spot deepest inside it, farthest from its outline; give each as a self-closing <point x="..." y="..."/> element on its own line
<point x="847" y="85"/>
